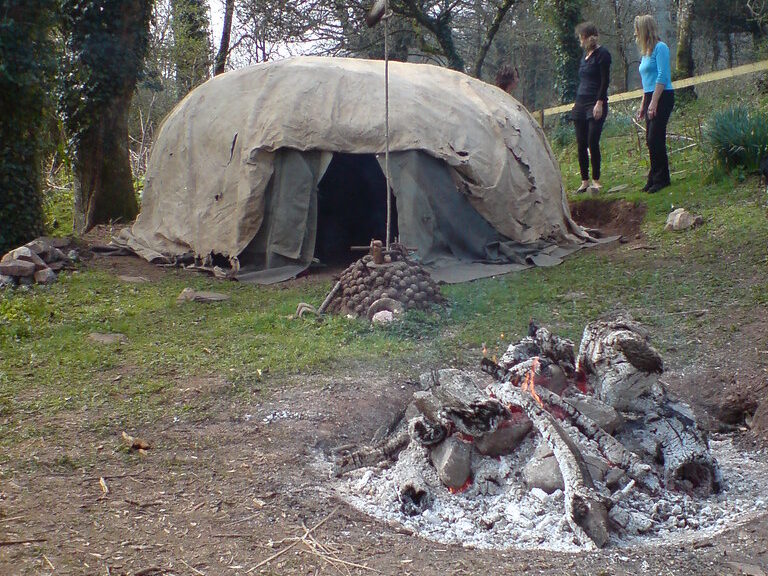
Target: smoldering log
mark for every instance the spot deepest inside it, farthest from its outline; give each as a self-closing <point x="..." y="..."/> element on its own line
<point x="542" y="343"/>
<point x="618" y="359"/>
<point x="684" y="451"/>
<point x="619" y="362"/>
<point x="352" y="458"/>
<point x="585" y="510"/>
<point x="613" y="451"/>
<point x="413" y="491"/>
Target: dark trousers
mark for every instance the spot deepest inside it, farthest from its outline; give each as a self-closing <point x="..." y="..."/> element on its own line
<point x="588" y="143"/>
<point x="656" y="137"/>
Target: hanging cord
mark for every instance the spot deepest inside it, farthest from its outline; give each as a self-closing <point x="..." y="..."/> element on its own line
<point x="387" y="16"/>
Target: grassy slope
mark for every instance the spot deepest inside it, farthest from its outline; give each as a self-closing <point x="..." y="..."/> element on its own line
<point x="48" y="367"/>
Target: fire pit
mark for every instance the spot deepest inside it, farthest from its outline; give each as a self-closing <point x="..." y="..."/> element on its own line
<point x="550" y="449"/>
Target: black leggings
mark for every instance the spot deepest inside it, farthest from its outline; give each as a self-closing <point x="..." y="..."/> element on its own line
<point x="656" y="137"/>
<point x="588" y="140"/>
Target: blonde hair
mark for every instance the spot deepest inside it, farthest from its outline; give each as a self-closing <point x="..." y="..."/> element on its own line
<point x="646" y="33"/>
<point x="590" y="35"/>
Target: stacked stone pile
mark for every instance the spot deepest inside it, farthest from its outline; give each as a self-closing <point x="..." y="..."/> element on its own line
<point x="34" y="263"/>
<point x="367" y="287"/>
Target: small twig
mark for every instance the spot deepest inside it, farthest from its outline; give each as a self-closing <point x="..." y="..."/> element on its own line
<point x="149" y="571"/>
<point x="26" y="541"/>
<point x="49" y="563"/>
<point x="233" y="535"/>
<point x="644" y="247"/>
<point x="251" y="517"/>
<point x="195" y="570"/>
<point x="290" y="546"/>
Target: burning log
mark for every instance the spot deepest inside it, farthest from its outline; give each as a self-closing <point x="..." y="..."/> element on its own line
<point x="610" y="447"/>
<point x="619" y="362"/>
<point x="585" y="509"/>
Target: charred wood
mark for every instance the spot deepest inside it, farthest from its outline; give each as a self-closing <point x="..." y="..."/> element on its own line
<point x="613" y="451"/>
<point x="585" y="509"/>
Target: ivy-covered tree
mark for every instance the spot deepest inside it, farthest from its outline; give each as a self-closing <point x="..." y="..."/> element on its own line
<point x="26" y="68"/>
<point x="191" y="43"/>
<point x="561" y="18"/>
<point x="105" y="43"/>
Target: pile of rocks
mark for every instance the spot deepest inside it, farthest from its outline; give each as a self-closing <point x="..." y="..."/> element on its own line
<point x="396" y="284"/>
<point x="37" y="262"/>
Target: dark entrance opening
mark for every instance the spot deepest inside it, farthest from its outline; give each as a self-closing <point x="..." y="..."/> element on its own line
<point x="351" y="208"/>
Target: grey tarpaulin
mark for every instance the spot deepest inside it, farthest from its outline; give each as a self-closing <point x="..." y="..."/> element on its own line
<point x="234" y="169"/>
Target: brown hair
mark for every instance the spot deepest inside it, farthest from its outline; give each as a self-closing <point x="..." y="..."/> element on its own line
<point x="507" y="77"/>
<point x="646" y="33"/>
<point x="588" y="31"/>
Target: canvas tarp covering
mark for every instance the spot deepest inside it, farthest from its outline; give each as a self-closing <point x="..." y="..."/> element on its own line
<point x="218" y="167"/>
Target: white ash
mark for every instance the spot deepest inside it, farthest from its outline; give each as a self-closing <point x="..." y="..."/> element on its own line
<point x="498" y="511"/>
<point x="278" y="415"/>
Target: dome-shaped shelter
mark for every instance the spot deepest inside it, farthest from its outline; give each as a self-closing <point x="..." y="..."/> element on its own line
<point x="281" y="162"/>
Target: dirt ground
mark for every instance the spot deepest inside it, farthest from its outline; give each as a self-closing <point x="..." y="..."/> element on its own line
<point x="239" y="492"/>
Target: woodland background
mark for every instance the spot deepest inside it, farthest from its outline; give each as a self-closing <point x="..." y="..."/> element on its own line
<point x="84" y="84"/>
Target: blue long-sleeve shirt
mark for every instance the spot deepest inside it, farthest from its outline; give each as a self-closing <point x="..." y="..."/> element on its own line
<point x="655" y="69"/>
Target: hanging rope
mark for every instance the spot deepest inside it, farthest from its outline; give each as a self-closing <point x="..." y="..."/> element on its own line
<point x="387" y="15"/>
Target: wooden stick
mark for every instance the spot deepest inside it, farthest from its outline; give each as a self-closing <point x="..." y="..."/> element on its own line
<point x="290" y="546"/>
<point x="27" y="541"/>
<point x="195" y="570"/>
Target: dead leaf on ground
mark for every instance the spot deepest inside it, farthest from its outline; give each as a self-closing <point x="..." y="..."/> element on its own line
<point x="136" y="443"/>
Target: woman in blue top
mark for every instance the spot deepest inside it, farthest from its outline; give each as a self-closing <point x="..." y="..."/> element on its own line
<point x="658" y="99"/>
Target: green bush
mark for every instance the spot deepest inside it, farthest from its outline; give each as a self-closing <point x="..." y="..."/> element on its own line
<point x="738" y="137"/>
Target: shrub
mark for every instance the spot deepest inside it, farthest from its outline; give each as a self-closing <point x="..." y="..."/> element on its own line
<point x="737" y="136"/>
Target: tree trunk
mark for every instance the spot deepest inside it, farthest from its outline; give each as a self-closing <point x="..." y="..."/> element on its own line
<point x="477" y="68"/>
<point x="103" y="182"/>
<point x="684" y="60"/>
<point x="226" y="32"/>
<point x="622" y="45"/>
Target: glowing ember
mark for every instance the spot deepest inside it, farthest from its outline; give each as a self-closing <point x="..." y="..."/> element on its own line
<point x="528" y="385"/>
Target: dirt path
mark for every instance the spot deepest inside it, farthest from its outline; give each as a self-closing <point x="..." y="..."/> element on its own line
<point x="222" y="495"/>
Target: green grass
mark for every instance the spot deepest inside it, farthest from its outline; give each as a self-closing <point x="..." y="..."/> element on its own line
<point x="49" y="367"/>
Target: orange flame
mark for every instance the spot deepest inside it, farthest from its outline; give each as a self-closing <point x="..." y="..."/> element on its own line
<point x="528" y="385"/>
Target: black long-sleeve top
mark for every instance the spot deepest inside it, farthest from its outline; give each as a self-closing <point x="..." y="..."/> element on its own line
<point x="594" y="77"/>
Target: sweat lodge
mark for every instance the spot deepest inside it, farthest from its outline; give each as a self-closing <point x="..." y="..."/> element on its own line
<point x="274" y="165"/>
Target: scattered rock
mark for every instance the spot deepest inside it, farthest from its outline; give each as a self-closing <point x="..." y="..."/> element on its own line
<point x="132" y="279"/>
<point x="542" y="470"/>
<point x="18" y="268"/>
<point x="6" y="281"/>
<point x="681" y="219"/>
<point x="25" y="254"/>
<point x="102" y="338"/>
<point x="190" y="295"/>
<point x="383" y="317"/>
<point x="506" y="438"/>
<point x="45" y="276"/>
<point x="452" y="459"/>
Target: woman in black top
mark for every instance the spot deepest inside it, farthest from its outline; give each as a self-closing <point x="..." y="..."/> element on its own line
<point x="591" y="106"/>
